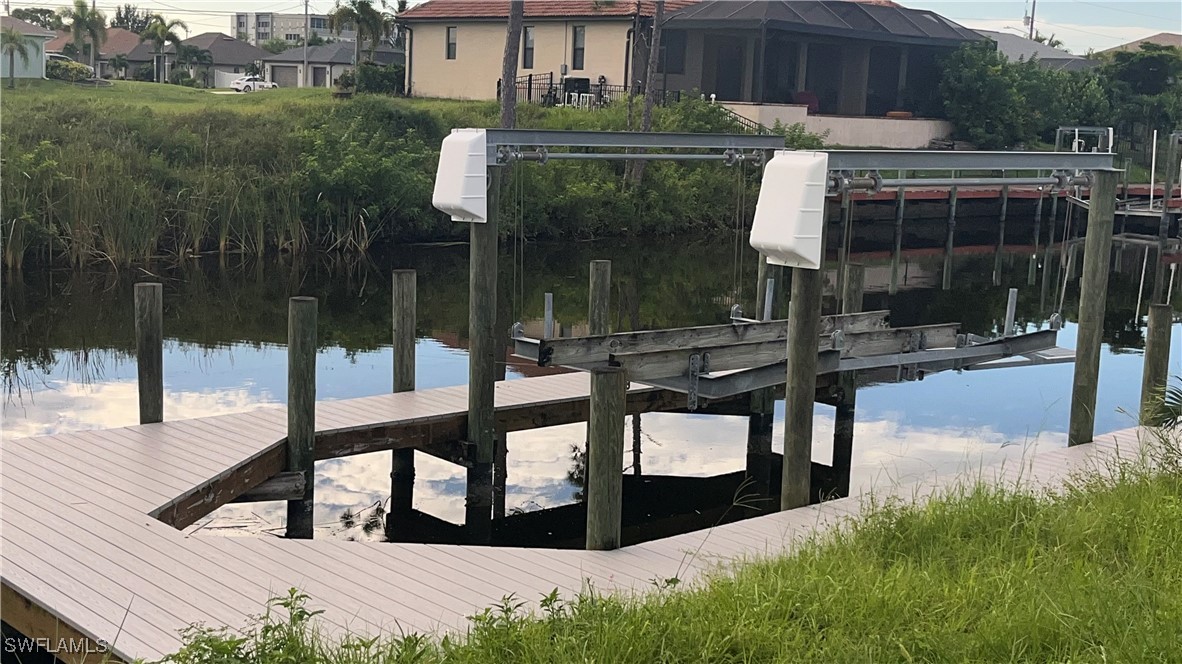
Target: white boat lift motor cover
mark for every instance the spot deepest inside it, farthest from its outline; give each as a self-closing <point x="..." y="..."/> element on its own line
<point x="461" y="181"/>
<point x="790" y="213"/>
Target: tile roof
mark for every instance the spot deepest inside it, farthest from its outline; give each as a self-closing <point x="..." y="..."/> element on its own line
<point x="459" y="9"/>
<point x="225" y="49"/>
<point x="335" y="53"/>
<point x="118" y="41"/>
<point x="24" y="27"/>
<point x="874" y="21"/>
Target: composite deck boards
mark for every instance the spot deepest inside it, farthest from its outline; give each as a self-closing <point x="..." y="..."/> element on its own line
<point x="78" y="540"/>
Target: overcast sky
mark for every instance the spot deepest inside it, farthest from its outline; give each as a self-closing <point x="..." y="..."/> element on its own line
<point x="1080" y="24"/>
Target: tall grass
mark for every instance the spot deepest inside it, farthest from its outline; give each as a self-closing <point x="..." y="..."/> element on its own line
<point x="123" y="178"/>
<point x="1089" y="573"/>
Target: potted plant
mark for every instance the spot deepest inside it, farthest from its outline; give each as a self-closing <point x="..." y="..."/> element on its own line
<point x="345" y="84"/>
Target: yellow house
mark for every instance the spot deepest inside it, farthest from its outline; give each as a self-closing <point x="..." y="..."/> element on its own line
<point x="455" y="47"/>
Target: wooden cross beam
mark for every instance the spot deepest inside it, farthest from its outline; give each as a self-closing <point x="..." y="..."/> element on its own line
<point x="587" y="352"/>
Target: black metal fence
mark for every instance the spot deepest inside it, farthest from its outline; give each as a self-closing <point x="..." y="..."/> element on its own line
<point x="548" y="90"/>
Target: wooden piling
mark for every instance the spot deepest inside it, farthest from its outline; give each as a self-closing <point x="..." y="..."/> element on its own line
<point x="482" y="350"/>
<point x="847" y="388"/>
<point x="949" y="239"/>
<point x="900" y="204"/>
<point x="1161" y="273"/>
<point x="761" y="403"/>
<point x="1032" y="268"/>
<point x="1093" y="293"/>
<point x="1001" y="234"/>
<point x="598" y="319"/>
<point x="847" y="230"/>
<point x="301" y="410"/>
<point x="1157" y="359"/>
<point x="605" y="428"/>
<point x="804" y="318"/>
<point x="149" y="350"/>
<point x="605" y="479"/>
<point x="402" y="467"/>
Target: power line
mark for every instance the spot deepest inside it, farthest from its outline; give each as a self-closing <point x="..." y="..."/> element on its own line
<point x="1126" y="11"/>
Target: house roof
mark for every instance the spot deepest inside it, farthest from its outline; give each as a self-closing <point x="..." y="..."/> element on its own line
<point x="335" y="53"/>
<point x="840" y="18"/>
<point x="118" y="41"/>
<point x="225" y="49"/>
<point x="1017" y="47"/>
<point x="1161" y="39"/>
<point x="478" y="9"/>
<point x="24" y="27"/>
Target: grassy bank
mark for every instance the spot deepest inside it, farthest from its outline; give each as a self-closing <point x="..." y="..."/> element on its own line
<point x="1092" y="574"/>
<point x="137" y="170"/>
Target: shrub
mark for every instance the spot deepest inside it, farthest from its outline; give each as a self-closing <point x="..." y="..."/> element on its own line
<point x="381" y="79"/>
<point x="66" y="71"/>
<point x="181" y="77"/>
<point x="145" y="72"/>
<point x="346" y="80"/>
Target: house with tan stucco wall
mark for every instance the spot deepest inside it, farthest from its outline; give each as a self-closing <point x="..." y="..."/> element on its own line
<point x="861" y="72"/>
<point x="454" y="47"/>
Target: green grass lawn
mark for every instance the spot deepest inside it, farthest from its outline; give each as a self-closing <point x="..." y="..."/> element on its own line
<point x="159" y="96"/>
<point x="1092" y="574"/>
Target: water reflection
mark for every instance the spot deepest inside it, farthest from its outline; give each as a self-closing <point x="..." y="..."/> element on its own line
<point x="68" y="363"/>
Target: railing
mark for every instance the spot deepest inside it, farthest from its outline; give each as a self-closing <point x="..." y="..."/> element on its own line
<point x="546" y="90"/>
<point x="746" y="125"/>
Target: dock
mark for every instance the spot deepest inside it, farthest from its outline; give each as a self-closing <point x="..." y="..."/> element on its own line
<point x="88" y="550"/>
<point x="94" y="533"/>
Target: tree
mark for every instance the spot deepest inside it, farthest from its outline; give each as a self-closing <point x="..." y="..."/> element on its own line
<point x="982" y="98"/>
<point x="275" y="45"/>
<point x="316" y="40"/>
<point x="45" y="18"/>
<point x="87" y="23"/>
<point x="650" y="85"/>
<point x="193" y="57"/>
<point x="118" y="62"/>
<point x="362" y="17"/>
<point x="161" y="32"/>
<point x="1049" y="41"/>
<point x="509" y="64"/>
<point x="131" y="17"/>
<point x="14" y="43"/>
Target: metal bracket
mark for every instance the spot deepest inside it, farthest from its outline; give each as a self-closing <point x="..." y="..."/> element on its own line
<point x="837" y="339"/>
<point x="691" y="394"/>
<point x="517" y="331"/>
<point x="1056" y="322"/>
<point x="916" y="341"/>
<point x="699" y="363"/>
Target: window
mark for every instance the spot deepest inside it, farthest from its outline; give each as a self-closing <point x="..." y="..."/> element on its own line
<point x="672" y="60"/>
<point x="319" y="23"/>
<point x="241" y="24"/>
<point x="579" y="48"/>
<point x="263" y="24"/>
<point x="451" y="42"/>
<point x="527" y="47"/>
<point x="264" y="36"/>
<point x="292" y="37"/>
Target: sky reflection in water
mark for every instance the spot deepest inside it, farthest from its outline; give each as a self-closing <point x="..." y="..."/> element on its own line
<point x="903" y="431"/>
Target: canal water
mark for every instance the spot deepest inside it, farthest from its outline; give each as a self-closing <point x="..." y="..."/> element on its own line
<point x="68" y="360"/>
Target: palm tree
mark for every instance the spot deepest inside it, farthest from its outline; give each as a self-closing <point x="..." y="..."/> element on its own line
<point x="13" y="43"/>
<point x="363" y="17"/>
<point x="193" y="57"/>
<point x="161" y="32"/>
<point x="86" y="22"/>
<point x="118" y="62"/>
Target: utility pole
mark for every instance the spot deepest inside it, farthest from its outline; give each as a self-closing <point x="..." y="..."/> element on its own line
<point x="304" y="71"/>
<point x="1033" y="6"/>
